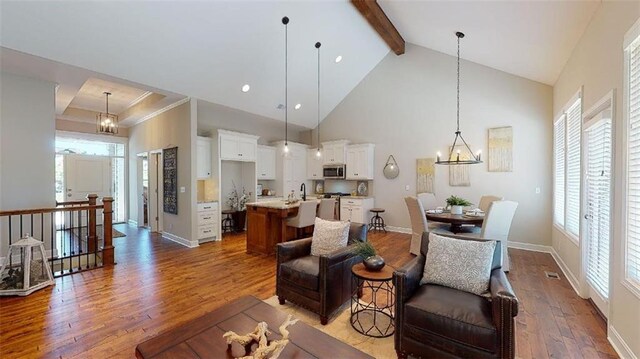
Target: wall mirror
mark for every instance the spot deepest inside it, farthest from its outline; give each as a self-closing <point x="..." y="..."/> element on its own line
<point x="391" y="169"/>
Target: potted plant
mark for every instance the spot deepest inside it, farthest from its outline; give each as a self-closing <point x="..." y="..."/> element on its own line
<point x="455" y="204"/>
<point x="371" y="260"/>
<point x="238" y="204"/>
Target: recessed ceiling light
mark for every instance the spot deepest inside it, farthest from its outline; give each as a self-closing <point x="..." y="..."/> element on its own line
<point x="339" y="58"/>
<point x="246" y="88"/>
<point x="297" y="107"/>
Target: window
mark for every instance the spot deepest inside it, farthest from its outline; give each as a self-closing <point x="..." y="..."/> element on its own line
<point x="632" y="109"/>
<point x="566" y="149"/>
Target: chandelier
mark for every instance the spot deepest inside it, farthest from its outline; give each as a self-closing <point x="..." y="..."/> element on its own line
<point x="106" y="122"/>
<point x="457" y="160"/>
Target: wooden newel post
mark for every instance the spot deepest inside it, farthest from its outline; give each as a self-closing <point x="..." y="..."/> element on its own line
<point x="91" y="238"/>
<point x="108" y="249"/>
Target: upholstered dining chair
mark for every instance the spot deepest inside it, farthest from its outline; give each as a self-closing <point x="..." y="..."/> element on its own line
<point x="419" y="224"/>
<point x="428" y="200"/>
<point x="327" y="209"/>
<point x="305" y="218"/>
<point x="485" y="202"/>
<point x="496" y="226"/>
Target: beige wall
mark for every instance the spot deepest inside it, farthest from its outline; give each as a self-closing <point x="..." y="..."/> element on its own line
<point x="84" y="127"/>
<point x="597" y="64"/>
<point x="212" y="117"/>
<point x="169" y="129"/>
<point x="407" y="107"/>
<point x="27" y="145"/>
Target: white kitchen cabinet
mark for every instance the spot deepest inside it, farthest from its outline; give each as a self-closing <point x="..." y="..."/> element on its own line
<point x="203" y="157"/>
<point x="360" y="160"/>
<point x="314" y="165"/>
<point x="208" y="221"/>
<point x="334" y="152"/>
<point x="355" y="209"/>
<point x="235" y="146"/>
<point x="266" y="163"/>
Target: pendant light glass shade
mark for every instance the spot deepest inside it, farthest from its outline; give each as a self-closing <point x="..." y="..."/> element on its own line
<point x="455" y="158"/>
<point x="107" y="123"/>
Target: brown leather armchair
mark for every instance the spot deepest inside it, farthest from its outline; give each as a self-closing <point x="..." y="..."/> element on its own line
<point x="320" y="284"/>
<point x="436" y="321"/>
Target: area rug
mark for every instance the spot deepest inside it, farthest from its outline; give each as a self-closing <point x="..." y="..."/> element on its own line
<point x="340" y="328"/>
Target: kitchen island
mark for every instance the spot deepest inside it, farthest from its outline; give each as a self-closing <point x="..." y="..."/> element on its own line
<point x="267" y="225"/>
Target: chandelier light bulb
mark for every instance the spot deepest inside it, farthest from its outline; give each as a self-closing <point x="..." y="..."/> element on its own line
<point x="318" y="153"/>
<point x="286" y="148"/>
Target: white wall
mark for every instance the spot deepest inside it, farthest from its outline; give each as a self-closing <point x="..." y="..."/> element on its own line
<point x="169" y="129"/>
<point x="407" y="107"/>
<point x="597" y="64"/>
<point x="27" y="145"/>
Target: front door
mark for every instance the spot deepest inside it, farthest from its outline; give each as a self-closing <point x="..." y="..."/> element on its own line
<point x="84" y="175"/>
<point x="598" y="143"/>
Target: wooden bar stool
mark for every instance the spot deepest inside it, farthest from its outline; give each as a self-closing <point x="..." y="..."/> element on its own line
<point x="227" y="221"/>
<point x="377" y="222"/>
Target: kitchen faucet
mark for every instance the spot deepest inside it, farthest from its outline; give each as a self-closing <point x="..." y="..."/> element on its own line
<point x="303" y="188"/>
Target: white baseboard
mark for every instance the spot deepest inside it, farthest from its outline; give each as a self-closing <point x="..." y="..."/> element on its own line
<point x="180" y="240"/>
<point x="619" y="345"/>
<point x="575" y="283"/>
<point x="133" y="222"/>
<point x="399" y="229"/>
<point x="530" y="247"/>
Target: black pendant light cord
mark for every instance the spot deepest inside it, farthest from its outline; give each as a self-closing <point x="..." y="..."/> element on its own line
<point x="458" y="89"/>
<point x="318" y="44"/>
<point x="285" y="21"/>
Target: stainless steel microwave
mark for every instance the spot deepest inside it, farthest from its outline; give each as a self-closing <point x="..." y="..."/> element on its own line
<point x="334" y="172"/>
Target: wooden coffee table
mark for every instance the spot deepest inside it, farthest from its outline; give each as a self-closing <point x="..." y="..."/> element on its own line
<point x="202" y="337"/>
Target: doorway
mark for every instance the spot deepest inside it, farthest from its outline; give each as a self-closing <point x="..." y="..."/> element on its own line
<point x="598" y="145"/>
<point x="149" y="190"/>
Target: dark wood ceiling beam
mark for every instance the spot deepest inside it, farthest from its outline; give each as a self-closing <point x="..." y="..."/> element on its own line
<point x="381" y="23"/>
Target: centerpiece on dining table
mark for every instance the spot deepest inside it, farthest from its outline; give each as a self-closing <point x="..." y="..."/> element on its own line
<point x="455" y="204"/>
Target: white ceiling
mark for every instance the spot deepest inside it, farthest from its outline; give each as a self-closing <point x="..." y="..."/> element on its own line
<point x="79" y="92"/>
<point x="531" y="39"/>
<point x="91" y="96"/>
<point x="206" y="50"/>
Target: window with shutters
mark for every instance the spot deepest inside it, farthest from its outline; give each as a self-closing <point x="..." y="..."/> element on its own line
<point x="566" y="149"/>
<point x="598" y="210"/>
<point x="632" y="116"/>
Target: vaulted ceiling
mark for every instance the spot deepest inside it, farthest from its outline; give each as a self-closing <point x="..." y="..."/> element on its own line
<point x="209" y="50"/>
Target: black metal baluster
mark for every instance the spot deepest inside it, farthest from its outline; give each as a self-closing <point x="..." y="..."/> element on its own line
<point x="72" y="242"/>
<point x="10" y="236"/>
<point x="53" y="246"/>
<point x="31" y="224"/>
<point x="87" y="242"/>
<point x="21" y="232"/>
<point x="42" y="226"/>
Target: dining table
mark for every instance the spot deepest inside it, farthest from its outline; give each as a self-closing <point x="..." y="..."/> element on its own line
<point x="457" y="221"/>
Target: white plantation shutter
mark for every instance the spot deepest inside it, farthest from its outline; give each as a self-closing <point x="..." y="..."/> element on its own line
<point x="559" y="163"/>
<point x="633" y="167"/>
<point x="574" y="128"/>
<point x="598" y="205"/>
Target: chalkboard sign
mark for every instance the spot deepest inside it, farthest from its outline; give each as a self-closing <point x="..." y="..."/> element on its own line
<point x="170" y="177"/>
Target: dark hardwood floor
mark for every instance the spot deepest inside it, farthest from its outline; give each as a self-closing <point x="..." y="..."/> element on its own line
<point x="158" y="284"/>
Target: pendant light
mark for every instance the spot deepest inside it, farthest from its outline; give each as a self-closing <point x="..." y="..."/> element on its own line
<point x="318" y="153"/>
<point x="451" y="160"/>
<point x="106" y="122"/>
<point x="285" y="21"/>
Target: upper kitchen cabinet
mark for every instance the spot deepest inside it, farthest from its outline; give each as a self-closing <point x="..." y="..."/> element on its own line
<point x="314" y="165"/>
<point x="235" y="146"/>
<point x="360" y="162"/>
<point x="203" y="157"/>
<point x="266" y="163"/>
<point x="334" y="152"/>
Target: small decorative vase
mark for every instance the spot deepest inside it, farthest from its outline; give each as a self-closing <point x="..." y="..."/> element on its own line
<point x="374" y="263"/>
<point x="456" y="209"/>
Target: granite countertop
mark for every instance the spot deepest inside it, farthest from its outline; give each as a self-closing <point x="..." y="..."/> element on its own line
<point x="276" y="204"/>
